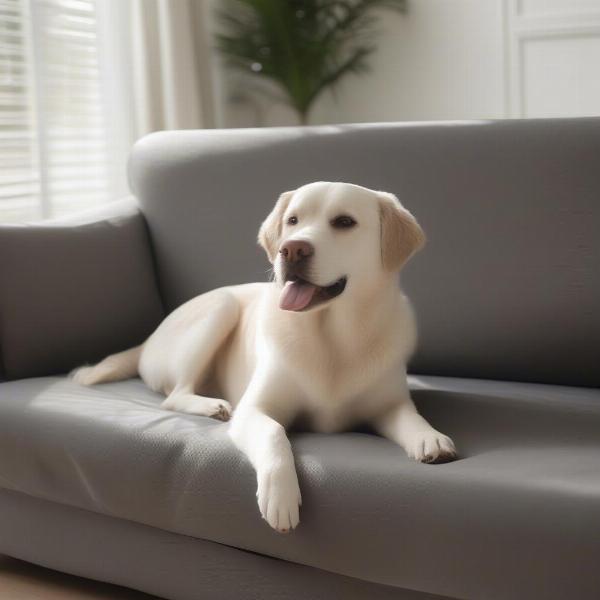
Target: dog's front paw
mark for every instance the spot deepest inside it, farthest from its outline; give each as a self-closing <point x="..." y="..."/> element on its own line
<point x="220" y="410"/>
<point x="192" y="404"/>
<point x="431" y="447"/>
<point x="279" y="497"/>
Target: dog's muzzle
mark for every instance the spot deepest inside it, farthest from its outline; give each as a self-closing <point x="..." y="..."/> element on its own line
<point x="299" y="294"/>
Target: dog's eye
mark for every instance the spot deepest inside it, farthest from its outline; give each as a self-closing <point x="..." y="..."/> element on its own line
<point x="343" y="222"/>
<point x="292" y="221"/>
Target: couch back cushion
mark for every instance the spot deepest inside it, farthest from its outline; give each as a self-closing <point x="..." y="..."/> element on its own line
<point x="508" y="286"/>
<point x="73" y="292"/>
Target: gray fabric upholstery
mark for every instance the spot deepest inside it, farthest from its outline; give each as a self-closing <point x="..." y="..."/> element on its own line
<point x="508" y="285"/>
<point x="518" y="517"/>
<point x="72" y="292"/>
<point x="172" y="566"/>
<point x="101" y="482"/>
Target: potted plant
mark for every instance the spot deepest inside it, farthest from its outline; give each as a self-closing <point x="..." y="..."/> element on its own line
<point x="303" y="46"/>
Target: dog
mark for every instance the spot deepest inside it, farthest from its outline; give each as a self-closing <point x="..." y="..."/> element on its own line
<point x="328" y="339"/>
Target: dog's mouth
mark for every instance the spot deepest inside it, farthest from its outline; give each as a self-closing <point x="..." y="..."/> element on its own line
<point x="299" y="294"/>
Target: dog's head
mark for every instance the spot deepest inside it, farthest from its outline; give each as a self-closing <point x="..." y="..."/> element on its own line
<point x="327" y="239"/>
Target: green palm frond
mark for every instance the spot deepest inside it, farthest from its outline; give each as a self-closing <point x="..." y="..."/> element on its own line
<point x="303" y="46"/>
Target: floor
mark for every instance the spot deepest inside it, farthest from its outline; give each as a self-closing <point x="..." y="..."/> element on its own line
<point x="23" y="581"/>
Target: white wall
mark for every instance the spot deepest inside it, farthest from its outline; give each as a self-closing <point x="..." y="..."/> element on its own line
<point x="442" y="60"/>
<point x="461" y="59"/>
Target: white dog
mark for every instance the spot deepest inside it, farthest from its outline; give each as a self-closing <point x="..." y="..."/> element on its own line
<point x="328" y="339"/>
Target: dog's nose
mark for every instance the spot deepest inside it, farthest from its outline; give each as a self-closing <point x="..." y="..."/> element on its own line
<point x="293" y="251"/>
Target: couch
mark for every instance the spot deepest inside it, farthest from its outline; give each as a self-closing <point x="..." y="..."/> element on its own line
<point x="102" y="483"/>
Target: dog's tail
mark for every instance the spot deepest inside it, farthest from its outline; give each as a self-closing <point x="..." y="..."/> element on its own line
<point x="115" y="367"/>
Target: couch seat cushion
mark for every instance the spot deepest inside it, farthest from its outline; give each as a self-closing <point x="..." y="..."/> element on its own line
<point x="517" y="517"/>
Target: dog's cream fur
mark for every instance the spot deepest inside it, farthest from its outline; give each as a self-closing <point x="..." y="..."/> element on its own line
<point x="339" y="363"/>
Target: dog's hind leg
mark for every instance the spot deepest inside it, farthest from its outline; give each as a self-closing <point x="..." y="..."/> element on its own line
<point x="194" y="356"/>
<point x="115" y="367"/>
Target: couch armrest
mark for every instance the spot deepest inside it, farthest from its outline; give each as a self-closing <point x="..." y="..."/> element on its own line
<point x="75" y="290"/>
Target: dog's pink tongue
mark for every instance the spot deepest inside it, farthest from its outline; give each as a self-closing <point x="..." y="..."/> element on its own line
<point x="296" y="295"/>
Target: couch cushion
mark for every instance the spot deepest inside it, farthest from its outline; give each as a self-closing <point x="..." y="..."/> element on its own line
<point x="76" y="290"/>
<point x="517" y="517"/>
<point x="510" y="209"/>
<point x="170" y="565"/>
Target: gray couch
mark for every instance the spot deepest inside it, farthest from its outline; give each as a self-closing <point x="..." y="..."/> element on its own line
<point x="102" y="483"/>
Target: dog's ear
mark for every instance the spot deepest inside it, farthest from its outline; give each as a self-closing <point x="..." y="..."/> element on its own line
<point x="401" y="235"/>
<point x="269" y="234"/>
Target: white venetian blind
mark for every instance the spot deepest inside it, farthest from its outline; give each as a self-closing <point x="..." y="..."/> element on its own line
<point x="54" y="143"/>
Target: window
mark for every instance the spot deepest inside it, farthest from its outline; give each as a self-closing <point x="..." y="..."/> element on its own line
<point x="56" y="138"/>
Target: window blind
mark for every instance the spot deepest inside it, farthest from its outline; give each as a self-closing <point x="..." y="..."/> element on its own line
<point x="54" y="146"/>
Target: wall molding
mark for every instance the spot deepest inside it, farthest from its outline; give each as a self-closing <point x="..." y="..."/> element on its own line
<point x="522" y="27"/>
<point x="520" y="11"/>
